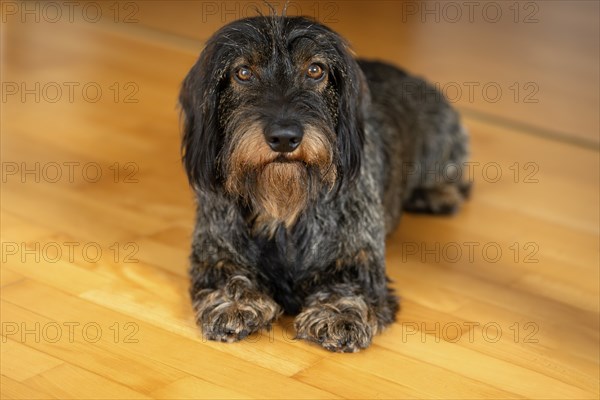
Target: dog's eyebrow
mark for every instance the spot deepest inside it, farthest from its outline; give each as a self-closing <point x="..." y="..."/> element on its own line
<point x="313" y="36"/>
<point x="304" y="35"/>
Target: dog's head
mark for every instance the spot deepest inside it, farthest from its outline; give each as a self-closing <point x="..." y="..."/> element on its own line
<point x="273" y="114"/>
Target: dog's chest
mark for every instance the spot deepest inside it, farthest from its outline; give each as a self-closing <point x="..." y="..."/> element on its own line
<point x="284" y="265"/>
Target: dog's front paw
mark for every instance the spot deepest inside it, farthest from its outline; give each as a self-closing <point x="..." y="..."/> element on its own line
<point x="342" y="326"/>
<point x="235" y="311"/>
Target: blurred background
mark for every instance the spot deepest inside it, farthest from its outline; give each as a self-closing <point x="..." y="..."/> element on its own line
<point x="531" y="63"/>
<point x="515" y="62"/>
<point x="500" y="301"/>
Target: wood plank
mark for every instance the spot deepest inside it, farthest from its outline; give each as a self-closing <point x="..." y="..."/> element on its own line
<point x="12" y="389"/>
<point x="192" y="387"/>
<point x="69" y="382"/>
<point x="165" y="348"/>
<point x="31" y="362"/>
<point x="92" y="344"/>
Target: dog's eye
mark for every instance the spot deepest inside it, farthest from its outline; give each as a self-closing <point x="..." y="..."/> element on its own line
<point x="315" y="72"/>
<point x="243" y="74"/>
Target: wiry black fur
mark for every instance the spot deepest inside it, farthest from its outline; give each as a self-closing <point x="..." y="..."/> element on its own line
<point x="329" y="266"/>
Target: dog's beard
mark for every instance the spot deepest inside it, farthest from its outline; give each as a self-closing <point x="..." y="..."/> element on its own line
<point x="281" y="191"/>
<point x="277" y="186"/>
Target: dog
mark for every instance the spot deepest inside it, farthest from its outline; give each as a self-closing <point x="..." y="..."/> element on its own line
<point x="302" y="159"/>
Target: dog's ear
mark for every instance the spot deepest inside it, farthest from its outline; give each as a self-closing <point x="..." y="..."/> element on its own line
<point x="200" y="144"/>
<point x="353" y="95"/>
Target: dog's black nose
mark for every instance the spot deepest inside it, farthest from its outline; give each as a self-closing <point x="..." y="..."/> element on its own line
<point x="284" y="139"/>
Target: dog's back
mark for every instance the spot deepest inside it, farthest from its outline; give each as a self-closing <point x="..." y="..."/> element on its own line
<point x="422" y="140"/>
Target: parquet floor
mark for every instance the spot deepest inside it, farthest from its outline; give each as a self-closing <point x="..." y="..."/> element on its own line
<point x="499" y="301"/>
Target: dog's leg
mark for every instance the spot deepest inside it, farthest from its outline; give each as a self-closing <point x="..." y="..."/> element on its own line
<point x="343" y="318"/>
<point x="442" y="182"/>
<point x="443" y="198"/>
<point x="228" y="304"/>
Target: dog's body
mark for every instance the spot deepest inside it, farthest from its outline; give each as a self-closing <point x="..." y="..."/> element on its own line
<point x="302" y="161"/>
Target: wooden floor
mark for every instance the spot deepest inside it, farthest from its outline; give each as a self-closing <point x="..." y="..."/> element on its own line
<point x="500" y="301"/>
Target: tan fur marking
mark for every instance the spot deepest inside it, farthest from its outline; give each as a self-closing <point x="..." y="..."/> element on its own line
<point x="281" y="191"/>
<point x="362" y="257"/>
